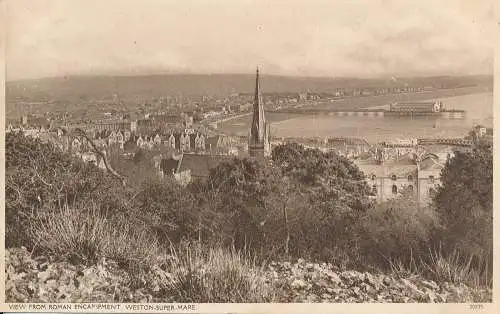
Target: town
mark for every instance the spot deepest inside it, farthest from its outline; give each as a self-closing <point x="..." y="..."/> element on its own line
<point x="186" y="144"/>
<point x="187" y="155"/>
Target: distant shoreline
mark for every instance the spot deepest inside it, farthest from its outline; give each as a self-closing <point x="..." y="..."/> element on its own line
<point x="432" y="95"/>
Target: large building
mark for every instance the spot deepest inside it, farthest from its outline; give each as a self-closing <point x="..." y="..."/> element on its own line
<point x="258" y="143"/>
<point x="417" y="170"/>
<point x="436" y="106"/>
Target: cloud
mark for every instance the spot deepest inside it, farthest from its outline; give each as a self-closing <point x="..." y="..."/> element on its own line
<point x="338" y="38"/>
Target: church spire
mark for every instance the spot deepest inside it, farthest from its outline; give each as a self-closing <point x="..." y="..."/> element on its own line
<point x="259" y="131"/>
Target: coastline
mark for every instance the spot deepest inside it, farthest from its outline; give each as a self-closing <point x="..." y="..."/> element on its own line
<point x="364" y="102"/>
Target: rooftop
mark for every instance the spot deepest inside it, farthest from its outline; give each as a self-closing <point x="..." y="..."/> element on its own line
<point x="200" y="165"/>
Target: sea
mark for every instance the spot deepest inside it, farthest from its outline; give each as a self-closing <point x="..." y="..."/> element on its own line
<point x="478" y="107"/>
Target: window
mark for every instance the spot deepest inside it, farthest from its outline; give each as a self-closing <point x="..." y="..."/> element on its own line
<point x="432" y="192"/>
<point x="431" y="179"/>
<point x="374" y="189"/>
<point x="374" y="177"/>
<point x="410" y="187"/>
<point x="393" y="177"/>
<point x="394" y="189"/>
<point x="410" y="178"/>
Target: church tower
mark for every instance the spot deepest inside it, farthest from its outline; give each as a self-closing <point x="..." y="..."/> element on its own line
<point x="258" y="144"/>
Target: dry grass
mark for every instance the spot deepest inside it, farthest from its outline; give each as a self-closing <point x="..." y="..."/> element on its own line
<point x="457" y="268"/>
<point x="215" y="275"/>
<point x="83" y="234"/>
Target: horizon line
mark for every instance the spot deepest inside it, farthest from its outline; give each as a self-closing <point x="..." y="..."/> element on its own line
<point x="386" y="76"/>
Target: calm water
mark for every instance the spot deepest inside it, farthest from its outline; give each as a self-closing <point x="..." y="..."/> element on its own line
<point x="479" y="108"/>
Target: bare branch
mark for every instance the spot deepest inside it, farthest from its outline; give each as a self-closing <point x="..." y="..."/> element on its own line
<point x="122" y="178"/>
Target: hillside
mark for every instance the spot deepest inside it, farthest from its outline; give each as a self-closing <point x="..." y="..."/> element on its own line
<point x="79" y="88"/>
<point x="300" y="229"/>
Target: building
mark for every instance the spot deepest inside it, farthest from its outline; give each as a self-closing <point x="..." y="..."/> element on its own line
<point x="429" y="172"/>
<point x="348" y="147"/>
<point x="218" y="144"/>
<point x="387" y="179"/>
<point x="33" y="121"/>
<point x="258" y="143"/>
<point x="112" y="126"/>
<point x="436" y="106"/>
<point x="389" y="173"/>
<point x="188" y="167"/>
<point x="170" y="142"/>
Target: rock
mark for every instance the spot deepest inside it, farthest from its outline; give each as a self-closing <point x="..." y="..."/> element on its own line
<point x="334" y="278"/>
<point x="298" y="284"/>
<point x="355" y="291"/>
<point x="441" y="298"/>
<point x="367" y="288"/>
<point x="430" y="296"/>
<point x="387" y="281"/>
<point x="43" y="276"/>
<point x="372" y="281"/>
<point x="413" y="288"/>
<point x="430" y="284"/>
<point x="309" y="267"/>
<point x="300" y="261"/>
<point x="326" y="296"/>
<point x="321" y="283"/>
<point x="312" y="298"/>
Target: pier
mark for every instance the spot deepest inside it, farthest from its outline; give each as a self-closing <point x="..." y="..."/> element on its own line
<point x="375" y="113"/>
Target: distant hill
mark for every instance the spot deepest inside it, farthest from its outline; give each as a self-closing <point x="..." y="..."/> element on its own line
<point x="86" y="88"/>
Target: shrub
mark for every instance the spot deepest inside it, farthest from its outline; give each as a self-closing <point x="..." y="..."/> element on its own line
<point x="168" y="209"/>
<point x="215" y="275"/>
<point x="397" y="230"/>
<point x="40" y="177"/>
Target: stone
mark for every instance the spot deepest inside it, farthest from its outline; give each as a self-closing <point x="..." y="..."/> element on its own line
<point x="43" y="276"/>
<point x="372" y="281"/>
<point x="334" y="278"/>
<point x="321" y="283"/>
<point x="441" y="298"/>
<point x="430" y="296"/>
<point x="430" y="284"/>
<point x="387" y="281"/>
<point x="298" y="284"/>
<point x="413" y="288"/>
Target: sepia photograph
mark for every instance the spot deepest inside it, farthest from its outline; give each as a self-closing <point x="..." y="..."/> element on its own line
<point x="250" y="151"/>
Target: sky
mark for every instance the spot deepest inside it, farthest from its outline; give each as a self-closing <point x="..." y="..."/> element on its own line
<point x="348" y="38"/>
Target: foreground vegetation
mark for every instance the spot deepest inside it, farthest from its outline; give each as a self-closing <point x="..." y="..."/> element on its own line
<point x="75" y="233"/>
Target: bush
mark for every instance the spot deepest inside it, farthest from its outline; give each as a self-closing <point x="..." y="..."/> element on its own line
<point x="215" y="275"/>
<point x="40" y="177"/>
<point x="168" y="209"/>
<point x="397" y="230"/>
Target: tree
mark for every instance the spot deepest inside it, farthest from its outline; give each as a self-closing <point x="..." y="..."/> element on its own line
<point x="168" y="209"/>
<point x="333" y="177"/>
<point x="465" y="200"/>
<point x="235" y="193"/>
<point x="40" y="177"/>
<point x="328" y="194"/>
